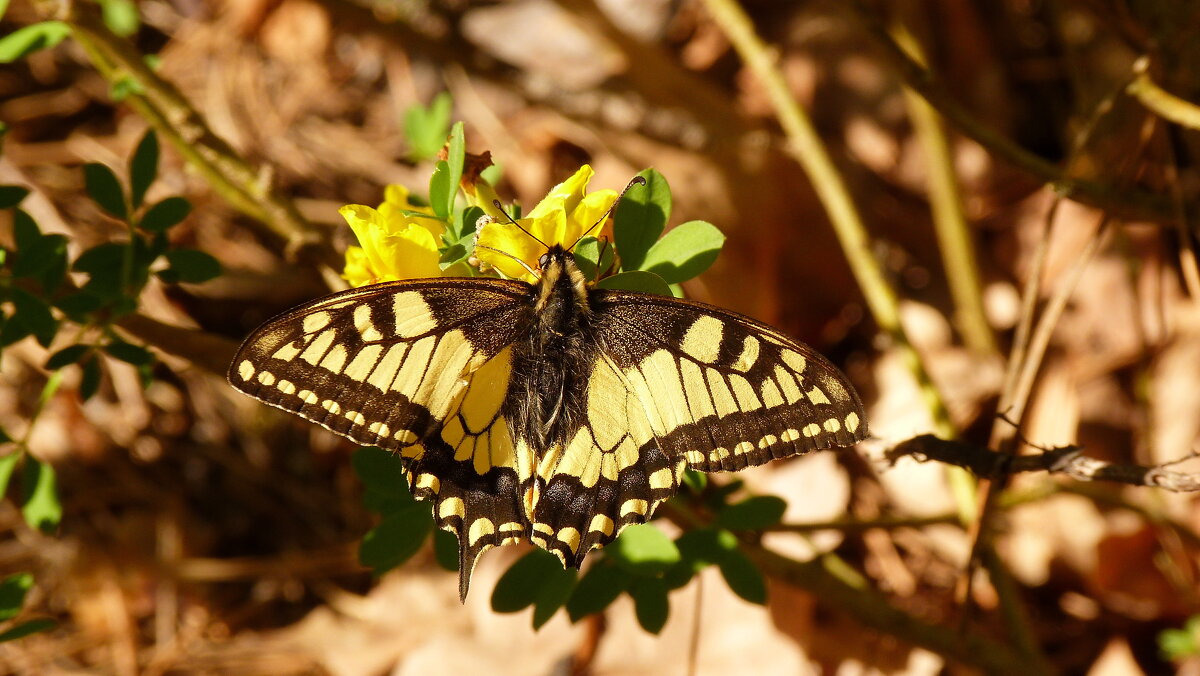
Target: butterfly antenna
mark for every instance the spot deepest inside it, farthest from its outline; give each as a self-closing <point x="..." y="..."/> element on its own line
<point x="498" y="205"/>
<point x="505" y="253"/>
<point x="636" y="180"/>
<point x="600" y="259"/>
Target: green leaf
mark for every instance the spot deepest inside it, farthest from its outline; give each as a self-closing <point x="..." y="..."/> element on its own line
<point x="591" y="254"/>
<point x="3" y="8"/>
<point x="440" y="189"/>
<point x="42" y="508"/>
<point x="699" y="548"/>
<point x="463" y="226"/>
<point x="29" y="39"/>
<point x="552" y="594"/>
<point x="143" y="168"/>
<point x="518" y="587"/>
<point x="11" y="195"/>
<point x="121" y="16"/>
<point x="104" y="264"/>
<point x="77" y="305"/>
<point x="11" y="331"/>
<point x="397" y="537"/>
<point x="89" y="382"/>
<point x="457" y="252"/>
<point x="706" y="545"/>
<point x="597" y="589"/>
<point x="636" y="280"/>
<point x="12" y="594"/>
<point x="425" y="129"/>
<point x="44" y="259"/>
<point x="743" y="577"/>
<point x="455" y="157"/>
<point x="8" y="464"/>
<point x="166" y="214"/>
<point x="129" y="353"/>
<point x="651" y="603"/>
<point x="124" y="87"/>
<point x="26" y="628"/>
<point x="26" y="232"/>
<point x="641" y="218"/>
<point x="192" y="266"/>
<point x="1179" y="644"/>
<point x="104" y="189"/>
<point x="718" y="494"/>
<point x="66" y="356"/>
<point x="492" y="173"/>
<point x="383" y="476"/>
<point x="643" y="550"/>
<point x="754" y="513"/>
<point x="685" y="252"/>
<point x="34" y="314"/>
<point x="695" y="481"/>
<point x="445" y="549"/>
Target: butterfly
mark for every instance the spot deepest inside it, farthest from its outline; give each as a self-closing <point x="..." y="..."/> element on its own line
<point x="553" y="412"/>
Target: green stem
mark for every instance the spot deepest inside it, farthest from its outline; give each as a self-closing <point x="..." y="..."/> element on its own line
<point x="1122" y="202"/>
<point x="1159" y="100"/>
<point x="874" y="610"/>
<point x="173" y="117"/>
<point x="806" y="147"/>
<point x="950" y="223"/>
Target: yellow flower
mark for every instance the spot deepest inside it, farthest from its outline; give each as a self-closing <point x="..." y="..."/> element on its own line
<point x="560" y="218"/>
<point x="395" y="199"/>
<point x="394" y="245"/>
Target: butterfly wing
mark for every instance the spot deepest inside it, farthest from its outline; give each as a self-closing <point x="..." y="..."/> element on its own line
<point x="419" y="367"/>
<point x="679" y="384"/>
<point x="721" y="390"/>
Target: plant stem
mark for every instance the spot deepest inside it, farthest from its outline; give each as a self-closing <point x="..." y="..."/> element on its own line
<point x="173" y="117"/>
<point x="806" y="147"/>
<point x="1159" y="100"/>
<point x="1121" y="202"/>
<point x="950" y="223"/>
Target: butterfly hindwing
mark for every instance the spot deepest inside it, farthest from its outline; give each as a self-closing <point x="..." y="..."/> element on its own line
<point x="721" y="390"/>
<point x="609" y="475"/>
<point x="420" y="368"/>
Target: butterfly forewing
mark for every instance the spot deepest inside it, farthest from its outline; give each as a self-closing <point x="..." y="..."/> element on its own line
<point x="721" y="390"/>
<point x="419" y="367"/>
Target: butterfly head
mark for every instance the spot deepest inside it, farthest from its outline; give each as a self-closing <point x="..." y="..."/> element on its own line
<point x="560" y="277"/>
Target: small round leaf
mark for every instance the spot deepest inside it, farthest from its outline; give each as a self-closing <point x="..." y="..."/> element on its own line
<point x="166" y="214"/>
<point x="104" y="189"/>
<point x="643" y="550"/>
<point x="520" y="585"/>
<point x="755" y="513"/>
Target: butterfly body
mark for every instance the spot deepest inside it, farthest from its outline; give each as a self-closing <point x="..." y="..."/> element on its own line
<point x="555" y="412"/>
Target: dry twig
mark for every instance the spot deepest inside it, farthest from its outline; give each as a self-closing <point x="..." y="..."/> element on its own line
<point x="1066" y="460"/>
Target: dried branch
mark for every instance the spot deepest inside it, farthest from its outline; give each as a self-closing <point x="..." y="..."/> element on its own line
<point x="845" y="592"/>
<point x="1121" y="203"/>
<point x="1065" y="460"/>
<point x="245" y="187"/>
<point x="807" y="148"/>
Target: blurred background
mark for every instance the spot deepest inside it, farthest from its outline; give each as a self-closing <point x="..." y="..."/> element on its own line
<point x="201" y="532"/>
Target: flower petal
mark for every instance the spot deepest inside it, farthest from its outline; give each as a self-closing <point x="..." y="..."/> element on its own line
<point x="368" y="226"/>
<point x="566" y="194"/>
<point x="508" y="238"/>
<point x="589" y="210"/>
<point x="358" y="270"/>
